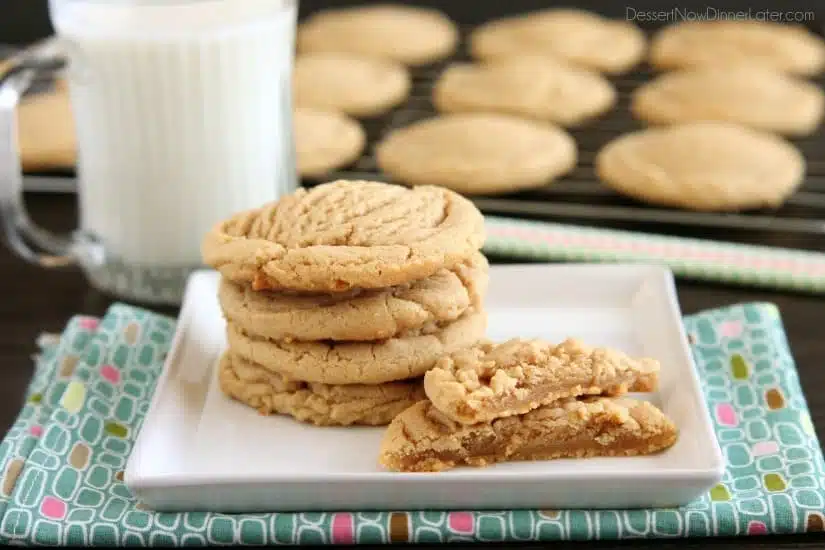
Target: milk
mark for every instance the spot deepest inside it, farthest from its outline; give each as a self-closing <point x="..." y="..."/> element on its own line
<point x="183" y="115"/>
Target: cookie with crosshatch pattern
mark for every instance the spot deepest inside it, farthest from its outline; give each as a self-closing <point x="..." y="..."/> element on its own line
<point x="344" y="235"/>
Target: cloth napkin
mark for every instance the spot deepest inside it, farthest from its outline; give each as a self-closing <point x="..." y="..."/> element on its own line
<point x="62" y="462"/>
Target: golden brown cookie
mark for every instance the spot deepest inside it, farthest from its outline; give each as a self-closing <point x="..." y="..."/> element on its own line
<point x="357" y="86"/>
<point x="422" y="439"/>
<point x="490" y="381"/>
<point x="46" y="131"/>
<point x="358" y="315"/>
<point x="477" y="153"/>
<point x="758" y="97"/>
<point x="789" y="48"/>
<point x="582" y="38"/>
<point x="533" y="87"/>
<point x="705" y="166"/>
<point x="325" y="140"/>
<point x="319" y="404"/>
<point x="377" y="362"/>
<point x="344" y="235"/>
<point x="407" y="34"/>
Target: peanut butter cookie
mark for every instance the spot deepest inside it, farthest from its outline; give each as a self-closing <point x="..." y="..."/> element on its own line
<point x="477" y="153"/>
<point x="422" y="439"/>
<point x="705" y="166"/>
<point x="357" y="86"/>
<point x="46" y="131"/>
<point x="344" y="235"/>
<point x="582" y="38"/>
<point x="758" y="97"/>
<point x="490" y="381"/>
<point x="407" y="34"/>
<point x="789" y="48"/>
<point x="360" y="362"/>
<point x="325" y="140"/>
<point x="534" y="87"/>
<point x="358" y="315"/>
<point x="319" y="404"/>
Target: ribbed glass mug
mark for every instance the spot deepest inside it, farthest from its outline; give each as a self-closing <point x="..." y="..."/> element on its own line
<point x="183" y="115"/>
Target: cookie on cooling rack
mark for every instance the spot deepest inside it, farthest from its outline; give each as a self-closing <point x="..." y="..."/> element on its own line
<point x="790" y="48"/>
<point x="325" y="140"/>
<point x="704" y="166"/>
<point x="47" y="138"/>
<point x="477" y="153"/>
<point x="530" y="86"/>
<point x="580" y="37"/>
<point x="356" y="85"/>
<point x="409" y="35"/>
<point x="754" y="96"/>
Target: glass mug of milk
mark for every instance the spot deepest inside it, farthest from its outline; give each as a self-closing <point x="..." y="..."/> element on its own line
<point x="183" y="115"/>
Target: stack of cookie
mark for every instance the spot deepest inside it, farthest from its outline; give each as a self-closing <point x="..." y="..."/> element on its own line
<point x="528" y="400"/>
<point x="340" y="298"/>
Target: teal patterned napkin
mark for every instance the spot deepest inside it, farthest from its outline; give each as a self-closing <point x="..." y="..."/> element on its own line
<point x="62" y="462"/>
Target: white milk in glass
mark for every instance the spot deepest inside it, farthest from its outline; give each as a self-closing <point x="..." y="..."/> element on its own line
<point x="183" y="116"/>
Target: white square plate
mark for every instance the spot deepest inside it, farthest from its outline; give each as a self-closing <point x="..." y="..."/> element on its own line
<point x="199" y="450"/>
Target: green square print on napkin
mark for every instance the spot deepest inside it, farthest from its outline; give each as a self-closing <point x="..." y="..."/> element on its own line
<point x="62" y="462"/>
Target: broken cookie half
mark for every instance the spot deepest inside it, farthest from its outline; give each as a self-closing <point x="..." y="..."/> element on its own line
<point x="423" y="439"/>
<point x="490" y="381"/>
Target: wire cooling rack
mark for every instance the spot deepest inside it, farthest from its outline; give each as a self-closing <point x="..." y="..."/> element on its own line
<point x="579" y="198"/>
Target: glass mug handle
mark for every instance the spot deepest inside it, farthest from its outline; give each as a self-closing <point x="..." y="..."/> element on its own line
<point x="25" y="238"/>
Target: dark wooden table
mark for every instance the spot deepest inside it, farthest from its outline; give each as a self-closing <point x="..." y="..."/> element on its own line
<point x="34" y="300"/>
